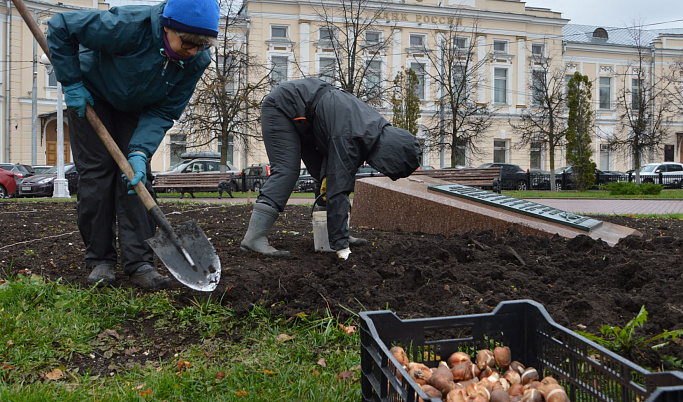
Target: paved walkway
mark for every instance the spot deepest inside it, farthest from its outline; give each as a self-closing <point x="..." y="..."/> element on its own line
<point x="613" y="207"/>
<point x="575" y="205"/>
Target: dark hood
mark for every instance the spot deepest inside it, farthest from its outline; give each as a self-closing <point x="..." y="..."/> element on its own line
<point x="396" y="153"/>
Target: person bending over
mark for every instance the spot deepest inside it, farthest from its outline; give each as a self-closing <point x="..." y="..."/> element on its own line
<point x="334" y="133"/>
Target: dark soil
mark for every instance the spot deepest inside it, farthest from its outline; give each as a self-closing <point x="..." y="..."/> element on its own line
<point x="581" y="282"/>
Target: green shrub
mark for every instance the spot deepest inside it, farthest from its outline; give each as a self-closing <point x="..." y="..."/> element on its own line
<point x="630" y="188"/>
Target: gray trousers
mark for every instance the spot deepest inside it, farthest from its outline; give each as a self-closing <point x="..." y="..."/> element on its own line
<point x="286" y="149"/>
<point x="103" y="200"/>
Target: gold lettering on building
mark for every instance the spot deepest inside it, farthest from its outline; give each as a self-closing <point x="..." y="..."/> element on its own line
<point x="404" y="17"/>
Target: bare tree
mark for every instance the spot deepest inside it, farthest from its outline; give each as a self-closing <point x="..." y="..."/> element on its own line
<point x="354" y="44"/>
<point x="226" y="104"/>
<point x="645" y="105"/>
<point x="544" y="121"/>
<point x="460" y="122"/>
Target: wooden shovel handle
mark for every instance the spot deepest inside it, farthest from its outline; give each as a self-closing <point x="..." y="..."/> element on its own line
<point x="95" y="121"/>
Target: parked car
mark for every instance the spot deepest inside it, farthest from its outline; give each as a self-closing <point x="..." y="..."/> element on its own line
<point x="42" y="185"/>
<point x="512" y="177"/>
<point x="20" y="170"/>
<point x="8" y="186"/>
<point x="305" y="183"/>
<point x="205" y="165"/>
<point x="601" y="177"/>
<point x="254" y="177"/>
<point x="672" y="174"/>
<point x="41" y="168"/>
<point x="367" y="171"/>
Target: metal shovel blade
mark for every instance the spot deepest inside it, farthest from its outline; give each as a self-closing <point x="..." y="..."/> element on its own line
<point x="208" y="267"/>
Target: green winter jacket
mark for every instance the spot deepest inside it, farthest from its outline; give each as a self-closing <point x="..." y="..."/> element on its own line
<point x="121" y="60"/>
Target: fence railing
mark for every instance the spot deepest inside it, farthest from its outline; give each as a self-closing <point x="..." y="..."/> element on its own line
<point x="566" y="181"/>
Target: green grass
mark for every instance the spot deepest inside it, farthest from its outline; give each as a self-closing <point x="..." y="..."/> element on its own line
<point x="46" y="326"/>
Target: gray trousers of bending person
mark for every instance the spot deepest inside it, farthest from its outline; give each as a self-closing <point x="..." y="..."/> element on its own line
<point x="103" y="200"/>
<point x="286" y="149"/>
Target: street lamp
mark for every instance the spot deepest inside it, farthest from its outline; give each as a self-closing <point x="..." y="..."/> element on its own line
<point x="61" y="186"/>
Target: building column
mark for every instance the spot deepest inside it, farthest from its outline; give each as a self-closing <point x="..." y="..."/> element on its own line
<point x="482" y="54"/>
<point x="522" y="88"/>
<point x="396" y="59"/>
<point x="304" y="48"/>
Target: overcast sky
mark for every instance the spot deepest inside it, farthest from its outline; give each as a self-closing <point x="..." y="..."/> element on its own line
<point x="617" y="13"/>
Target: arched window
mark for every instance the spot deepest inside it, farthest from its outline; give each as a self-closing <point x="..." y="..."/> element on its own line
<point x="600" y="33"/>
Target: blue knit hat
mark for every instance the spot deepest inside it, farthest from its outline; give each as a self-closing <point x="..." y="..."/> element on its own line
<point x="192" y="16"/>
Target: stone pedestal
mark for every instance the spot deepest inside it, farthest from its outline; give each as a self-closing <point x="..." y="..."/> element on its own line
<point x="408" y="205"/>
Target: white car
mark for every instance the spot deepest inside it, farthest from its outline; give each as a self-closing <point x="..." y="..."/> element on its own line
<point x="669" y="174"/>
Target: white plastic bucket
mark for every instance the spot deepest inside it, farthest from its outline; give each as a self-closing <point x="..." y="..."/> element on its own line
<point x="321" y="241"/>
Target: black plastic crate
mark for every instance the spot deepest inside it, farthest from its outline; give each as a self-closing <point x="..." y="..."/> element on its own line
<point x="588" y="371"/>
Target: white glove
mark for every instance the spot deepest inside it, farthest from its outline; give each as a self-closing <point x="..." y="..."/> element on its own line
<point x="344" y="253"/>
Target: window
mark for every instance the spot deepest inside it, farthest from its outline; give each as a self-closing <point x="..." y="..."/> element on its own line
<point x="52" y="78"/>
<point x="605" y="92"/>
<point x="279" y="69"/>
<point x="537" y="87"/>
<point x="178" y="147"/>
<point x="227" y="67"/>
<point x="500" y="151"/>
<point x="327" y="70"/>
<point x="635" y="93"/>
<point x="419" y="70"/>
<point x="500" y="85"/>
<point x="460" y="155"/>
<point x="537" y="49"/>
<point x="326" y="34"/>
<point x="459" y="82"/>
<point x="535" y="155"/>
<point x="278" y="32"/>
<point x="372" y="37"/>
<point x="417" y="40"/>
<point x="668" y="153"/>
<point x="460" y="43"/>
<point x="605" y="162"/>
<point x="500" y="46"/>
<point x="567" y="78"/>
<point x="373" y="78"/>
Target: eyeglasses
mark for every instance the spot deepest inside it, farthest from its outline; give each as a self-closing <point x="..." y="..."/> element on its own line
<point x="187" y="45"/>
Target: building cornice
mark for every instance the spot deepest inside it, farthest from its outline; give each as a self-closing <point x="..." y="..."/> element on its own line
<point x="437" y="12"/>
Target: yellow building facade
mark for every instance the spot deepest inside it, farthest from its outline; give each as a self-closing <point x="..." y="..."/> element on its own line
<point x="505" y="44"/>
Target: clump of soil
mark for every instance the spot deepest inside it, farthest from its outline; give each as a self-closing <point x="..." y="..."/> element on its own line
<point x="582" y="282"/>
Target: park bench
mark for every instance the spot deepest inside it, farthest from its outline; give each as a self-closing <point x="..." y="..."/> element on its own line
<point x="485" y="178"/>
<point x="191" y="182"/>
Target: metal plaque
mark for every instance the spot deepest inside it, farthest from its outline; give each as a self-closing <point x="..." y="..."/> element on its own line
<point x="525" y="207"/>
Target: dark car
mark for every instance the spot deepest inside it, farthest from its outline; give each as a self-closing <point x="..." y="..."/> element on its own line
<point x="305" y="183"/>
<point x="8" y="186"/>
<point x="20" y="170"/>
<point x="512" y="177"/>
<point x="254" y="177"/>
<point x="41" y="168"/>
<point x="564" y="178"/>
<point x="42" y="185"/>
<point x="367" y="171"/>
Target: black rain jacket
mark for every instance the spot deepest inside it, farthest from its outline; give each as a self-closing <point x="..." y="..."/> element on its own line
<point x="346" y="132"/>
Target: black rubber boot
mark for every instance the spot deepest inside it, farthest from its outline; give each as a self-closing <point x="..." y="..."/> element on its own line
<point x="262" y="219"/>
<point x="147" y="277"/>
<point x="357" y="241"/>
<point x="102" y="274"/>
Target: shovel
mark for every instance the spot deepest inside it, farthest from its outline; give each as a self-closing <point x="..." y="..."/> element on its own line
<point x="187" y="254"/>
